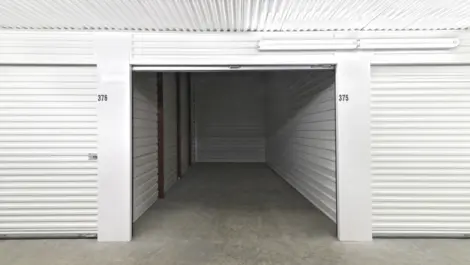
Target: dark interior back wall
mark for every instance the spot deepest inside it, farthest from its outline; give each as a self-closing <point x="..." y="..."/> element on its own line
<point x="229" y="114"/>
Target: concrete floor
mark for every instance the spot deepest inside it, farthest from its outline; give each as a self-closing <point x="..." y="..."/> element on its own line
<point x="234" y="214"/>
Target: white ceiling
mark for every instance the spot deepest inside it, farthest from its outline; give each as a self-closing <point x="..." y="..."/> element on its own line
<point x="235" y="15"/>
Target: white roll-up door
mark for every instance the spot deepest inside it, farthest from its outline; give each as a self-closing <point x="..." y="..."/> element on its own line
<point x="48" y="143"/>
<point x="421" y="150"/>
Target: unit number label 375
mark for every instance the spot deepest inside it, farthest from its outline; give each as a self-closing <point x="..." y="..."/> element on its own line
<point x="343" y="97"/>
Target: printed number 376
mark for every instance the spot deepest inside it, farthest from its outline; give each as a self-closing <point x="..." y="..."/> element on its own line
<point x="103" y="97"/>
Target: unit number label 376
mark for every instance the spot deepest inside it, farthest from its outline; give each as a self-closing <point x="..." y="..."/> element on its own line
<point x="343" y="97"/>
<point x="102" y="97"/>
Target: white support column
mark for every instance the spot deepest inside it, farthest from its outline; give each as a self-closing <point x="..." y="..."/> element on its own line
<point x="353" y="148"/>
<point x="112" y="52"/>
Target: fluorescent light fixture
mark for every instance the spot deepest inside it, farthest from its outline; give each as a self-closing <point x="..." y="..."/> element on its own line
<point x="409" y="44"/>
<point x="307" y="45"/>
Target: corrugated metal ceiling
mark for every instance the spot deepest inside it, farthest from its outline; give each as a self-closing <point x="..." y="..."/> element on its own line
<point x="235" y="15"/>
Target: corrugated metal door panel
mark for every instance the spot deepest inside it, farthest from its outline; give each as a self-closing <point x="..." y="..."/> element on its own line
<point x="144" y="142"/>
<point x="48" y="128"/>
<point x="170" y="134"/>
<point x="301" y="128"/>
<point x="229" y="110"/>
<point x="420" y="150"/>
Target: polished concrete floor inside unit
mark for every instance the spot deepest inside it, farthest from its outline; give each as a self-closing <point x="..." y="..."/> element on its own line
<point x="229" y="214"/>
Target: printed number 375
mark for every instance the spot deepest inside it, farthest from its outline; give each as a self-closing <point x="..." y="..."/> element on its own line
<point x="344" y="97"/>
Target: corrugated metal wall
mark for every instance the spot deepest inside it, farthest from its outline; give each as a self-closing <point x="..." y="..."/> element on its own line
<point x="48" y="136"/>
<point x="240" y="48"/>
<point x="229" y="112"/>
<point x="184" y="122"/>
<point x="208" y="47"/>
<point x="170" y="134"/>
<point x="40" y="47"/>
<point x="144" y="141"/>
<point x="52" y="47"/>
<point x="301" y="134"/>
<point x="420" y="128"/>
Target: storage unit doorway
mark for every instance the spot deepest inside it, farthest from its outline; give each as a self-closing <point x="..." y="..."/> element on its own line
<point x="258" y="127"/>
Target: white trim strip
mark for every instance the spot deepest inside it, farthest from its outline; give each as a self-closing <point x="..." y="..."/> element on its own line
<point x="317" y="45"/>
<point x="223" y="68"/>
<point x="403" y="44"/>
<point x="358" y="44"/>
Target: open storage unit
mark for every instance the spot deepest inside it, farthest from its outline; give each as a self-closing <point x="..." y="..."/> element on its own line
<point x="283" y="118"/>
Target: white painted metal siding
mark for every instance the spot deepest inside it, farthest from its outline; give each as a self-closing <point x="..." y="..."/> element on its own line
<point x="145" y="138"/>
<point x="46" y="47"/>
<point x="420" y="150"/>
<point x="229" y="109"/>
<point x="48" y="129"/>
<point x="170" y="134"/>
<point x="242" y="48"/>
<point x="458" y="55"/>
<point x="184" y="123"/>
<point x="205" y="48"/>
<point x="301" y="134"/>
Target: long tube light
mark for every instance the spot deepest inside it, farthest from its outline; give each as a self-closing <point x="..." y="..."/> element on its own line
<point x="357" y="44"/>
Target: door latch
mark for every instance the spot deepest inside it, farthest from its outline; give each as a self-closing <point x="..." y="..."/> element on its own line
<point x="92" y="156"/>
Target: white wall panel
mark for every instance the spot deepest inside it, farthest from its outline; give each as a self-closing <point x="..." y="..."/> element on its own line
<point x="170" y="135"/>
<point x="420" y="150"/>
<point x="458" y="55"/>
<point x="48" y="131"/>
<point x="145" y="138"/>
<point x="208" y="48"/>
<point x="229" y="111"/>
<point x="46" y="48"/>
<point x="112" y="51"/>
<point x="301" y="134"/>
<point x="242" y="48"/>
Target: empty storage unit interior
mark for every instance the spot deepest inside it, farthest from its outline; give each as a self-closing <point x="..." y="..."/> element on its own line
<point x="283" y="120"/>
